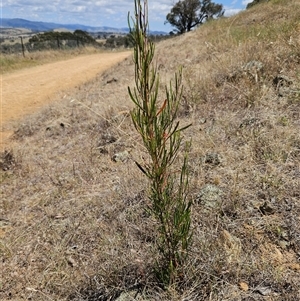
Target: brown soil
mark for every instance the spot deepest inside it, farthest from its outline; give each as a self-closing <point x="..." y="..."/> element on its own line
<point x="25" y="91"/>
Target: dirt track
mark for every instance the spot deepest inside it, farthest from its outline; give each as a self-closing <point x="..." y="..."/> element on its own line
<point x="27" y="90"/>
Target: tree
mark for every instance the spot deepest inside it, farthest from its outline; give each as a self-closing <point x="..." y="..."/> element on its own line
<point x="187" y="14"/>
<point x="84" y="37"/>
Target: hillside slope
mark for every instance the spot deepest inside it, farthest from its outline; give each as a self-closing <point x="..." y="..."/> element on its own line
<point x="73" y="221"/>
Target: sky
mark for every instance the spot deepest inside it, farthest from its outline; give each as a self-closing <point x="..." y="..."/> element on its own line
<point x="112" y="13"/>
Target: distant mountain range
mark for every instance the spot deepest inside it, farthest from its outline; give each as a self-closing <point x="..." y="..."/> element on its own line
<point x="46" y="26"/>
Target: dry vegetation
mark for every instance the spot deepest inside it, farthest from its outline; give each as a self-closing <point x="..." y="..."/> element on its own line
<point x="72" y="220"/>
<point x="12" y="62"/>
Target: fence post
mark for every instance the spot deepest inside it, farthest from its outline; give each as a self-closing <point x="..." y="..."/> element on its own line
<point x="58" y="45"/>
<point x="23" y="49"/>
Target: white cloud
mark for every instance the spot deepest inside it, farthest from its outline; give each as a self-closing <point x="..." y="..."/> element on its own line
<point x="231" y="11"/>
<point x="245" y="2"/>
<point x="110" y="11"/>
<point x="79" y="9"/>
<point x="101" y="3"/>
<point x="158" y="6"/>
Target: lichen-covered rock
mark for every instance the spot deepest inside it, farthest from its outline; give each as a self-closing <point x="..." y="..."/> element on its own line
<point x="210" y="195"/>
<point x="121" y="157"/>
<point x="212" y="159"/>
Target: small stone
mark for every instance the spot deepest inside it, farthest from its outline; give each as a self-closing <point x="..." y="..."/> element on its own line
<point x="129" y="296"/>
<point x="210" y="195"/>
<point x="284" y="235"/>
<point x="251" y="122"/>
<point x="202" y="120"/>
<point x="103" y="150"/>
<point x="282" y="80"/>
<point x="264" y="291"/>
<point x="212" y="159"/>
<point x="267" y="208"/>
<point x="244" y="286"/>
<point x="71" y="261"/>
<point x="284" y="244"/>
<point x="112" y="80"/>
<point x="109" y="138"/>
<point x="121" y="157"/>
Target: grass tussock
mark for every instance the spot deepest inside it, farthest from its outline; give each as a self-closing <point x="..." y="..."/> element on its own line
<point x="72" y="219"/>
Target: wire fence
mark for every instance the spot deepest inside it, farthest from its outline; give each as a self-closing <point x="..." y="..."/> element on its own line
<point x="23" y="48"/>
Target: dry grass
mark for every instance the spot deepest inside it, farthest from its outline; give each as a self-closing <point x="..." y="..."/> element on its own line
<point x="73" y="224"/>
<point x="12" y="62"/>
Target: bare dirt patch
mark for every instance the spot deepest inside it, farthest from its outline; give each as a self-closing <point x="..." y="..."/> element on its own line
<point x="27" y="90"/>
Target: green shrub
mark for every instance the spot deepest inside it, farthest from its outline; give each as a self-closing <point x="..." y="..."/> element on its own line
<point x="161" y="135"/>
